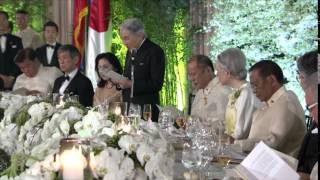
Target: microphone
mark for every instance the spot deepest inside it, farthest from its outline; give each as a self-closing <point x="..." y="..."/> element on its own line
<point x="133" y="53"/>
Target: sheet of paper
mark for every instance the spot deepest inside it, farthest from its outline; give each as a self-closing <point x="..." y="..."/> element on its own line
<point x="264" y="164"/>
<point x="113" y="76"/>
<point x="20" y="91"/>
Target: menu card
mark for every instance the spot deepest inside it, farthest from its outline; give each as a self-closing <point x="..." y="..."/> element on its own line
<point x="263" y="163"/>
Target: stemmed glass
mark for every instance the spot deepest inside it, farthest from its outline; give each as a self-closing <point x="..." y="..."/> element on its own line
<point x="147" y="112"/>
<point x="191" y="156"/>
<point x="118" y="108"/>
<point x="192" y="125"/>
<point x="134" y="115"/>
<point x="223" y="155"/>
<point x="73" y="98"/>
<point x="165" y="120"/>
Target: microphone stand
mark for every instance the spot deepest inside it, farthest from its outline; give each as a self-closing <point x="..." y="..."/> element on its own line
<point x="133" y="54"/>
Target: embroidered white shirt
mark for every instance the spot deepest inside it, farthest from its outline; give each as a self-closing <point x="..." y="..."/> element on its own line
<point x="42" y="82"/>
<point x="30" y="38"/>
<point x="210" y="103"/>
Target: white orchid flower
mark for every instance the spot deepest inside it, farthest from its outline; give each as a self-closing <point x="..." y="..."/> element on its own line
<point x="128" y="143"/>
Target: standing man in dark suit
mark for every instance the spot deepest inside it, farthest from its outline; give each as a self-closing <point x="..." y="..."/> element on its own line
<point x="47" y="54"/>
<point x="73" y="82"/>
<point x="9" y="47"/>
<point x="149" y="66"/>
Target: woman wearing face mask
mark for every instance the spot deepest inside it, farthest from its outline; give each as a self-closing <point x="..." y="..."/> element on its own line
<point x="106" y="89"/>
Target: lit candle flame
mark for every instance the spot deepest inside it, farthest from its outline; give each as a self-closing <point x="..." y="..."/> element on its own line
<point x="73" y="164"/>
<point x="117" y="111"/>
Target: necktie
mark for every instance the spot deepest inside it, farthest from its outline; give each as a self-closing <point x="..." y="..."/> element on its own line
<point x="66" y="77"/>
<point x="50" y="46"/>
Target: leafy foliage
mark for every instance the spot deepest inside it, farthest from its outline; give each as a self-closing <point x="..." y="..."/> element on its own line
<point x="22" y="116"/>
<point x="113" y="117"/>
<point x="113" y="141"/>
<point x="17" y="165"/>
<point x="77" y="105"/>
<point x="4" y="160"/>
<point x="276" y="30"/>
<point x="37" y="13"/>
<point x="1" y="114"/>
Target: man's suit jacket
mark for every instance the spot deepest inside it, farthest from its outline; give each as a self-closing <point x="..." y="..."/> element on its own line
<point x="42" y="55"/>
<point x="309" y="152"/>
<point x="80" y="85"/>
<point x="149" y="68"/>
<point x="7" y="65"/>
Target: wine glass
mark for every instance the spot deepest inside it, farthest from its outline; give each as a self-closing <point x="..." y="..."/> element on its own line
<point x="223" y="155"/>
<point x="73" y="98"/>
<point x="147" y="112"/>
<point x="191" y="156"/>
<point x="192" y="125"/>
<point x="134" y="114"/>
<point x="118" y="108"/>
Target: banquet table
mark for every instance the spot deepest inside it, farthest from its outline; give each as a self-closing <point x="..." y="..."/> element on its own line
<point x="33" y="127"/>
<point x="214" y="171"/>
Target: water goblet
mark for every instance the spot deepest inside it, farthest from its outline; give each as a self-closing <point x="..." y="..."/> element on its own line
<point x="191" y="156"/>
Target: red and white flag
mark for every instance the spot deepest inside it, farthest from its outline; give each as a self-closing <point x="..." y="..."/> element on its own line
<point x="80" y="12"/>
<point x="99" y="35"/>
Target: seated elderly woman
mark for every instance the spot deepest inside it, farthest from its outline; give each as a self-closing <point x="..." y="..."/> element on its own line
<point x="232" y="72"/>
<point x="106" y="89"/>
<point x="36" y="78"/>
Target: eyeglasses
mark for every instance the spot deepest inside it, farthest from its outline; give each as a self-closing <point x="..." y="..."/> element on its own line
<point x="299" y="76"/>
<point x="310" y="107"/>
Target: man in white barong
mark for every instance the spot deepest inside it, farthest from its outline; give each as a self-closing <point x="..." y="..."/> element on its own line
<point x="211" y="98"/>
<point x="279" y="123"/>
<point x="36" y="78"/>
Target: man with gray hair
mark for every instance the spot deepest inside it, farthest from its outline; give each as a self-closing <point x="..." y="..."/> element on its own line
<point x="73" y="82"/>
<point x="144" y="67"/>
<point x="309" y="152"/>
<point x="307" y="66"/>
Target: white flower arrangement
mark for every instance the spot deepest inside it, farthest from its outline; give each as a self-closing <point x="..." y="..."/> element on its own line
<point x="37" y="139"/>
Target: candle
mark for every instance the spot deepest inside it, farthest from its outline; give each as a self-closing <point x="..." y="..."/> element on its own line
<point x="92" y="162"/>
<point x="56" y="163"/>
<point x="126" y="128"/>
<point x="61" y="102"/>
<point x="73" y="164"/>
<point x="117" y="111"/>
